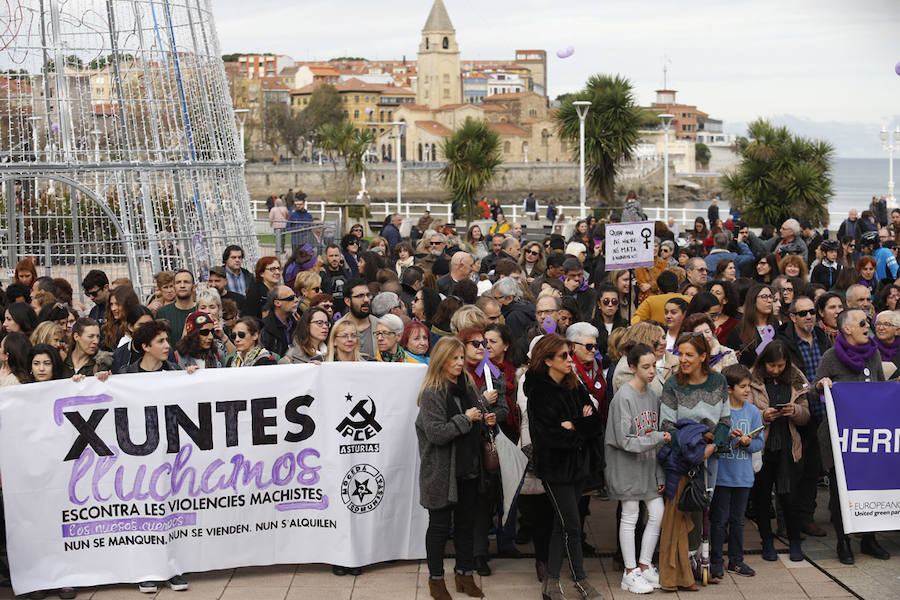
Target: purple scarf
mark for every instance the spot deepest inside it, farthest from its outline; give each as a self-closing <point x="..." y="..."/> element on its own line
<point x="854" y="357"/>
<point x="888" y="351"/>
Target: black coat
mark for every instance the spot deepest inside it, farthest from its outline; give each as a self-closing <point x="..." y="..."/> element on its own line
<point x="274" y="335"/>
<point x="560" y="455"/>
<point x="519" y="316"/>
<point x="256" y="299"/>
<point x="603" y="338"/>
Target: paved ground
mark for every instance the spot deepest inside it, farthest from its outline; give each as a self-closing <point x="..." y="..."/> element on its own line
<point x="816" y="578"/>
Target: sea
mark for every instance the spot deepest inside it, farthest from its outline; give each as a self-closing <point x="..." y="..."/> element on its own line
<point x="854" y="182"/>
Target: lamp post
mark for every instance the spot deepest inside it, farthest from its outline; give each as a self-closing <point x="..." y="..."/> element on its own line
<point x="667" y="120"/>
<point x="582" y="106"/>
<point x="887" y="143"/>
<point x="400" y="128"/>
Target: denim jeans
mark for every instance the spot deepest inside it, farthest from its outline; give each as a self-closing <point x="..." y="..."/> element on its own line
<point x="728" y="506"/>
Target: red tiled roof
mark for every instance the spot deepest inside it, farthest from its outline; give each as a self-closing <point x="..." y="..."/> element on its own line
<point x="507" y="129"/>
<point x="497" y="97"/>
<point x="433" y="127"/>
<point x="494" y="108"/>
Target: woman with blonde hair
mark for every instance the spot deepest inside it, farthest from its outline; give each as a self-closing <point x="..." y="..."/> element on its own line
<point x="343" y="342"/>
<point x="307" y="284"/>
<point x="210" y="302"/>
<point x="532" y="261"/>
<point x="448" y="429"/>
<point x="466" y="317"/>
<point x="49" y="333"/>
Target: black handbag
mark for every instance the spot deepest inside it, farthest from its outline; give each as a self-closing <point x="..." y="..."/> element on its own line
<point x="694" y="497"/>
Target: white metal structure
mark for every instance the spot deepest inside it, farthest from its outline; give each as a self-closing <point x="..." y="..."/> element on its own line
<point x="667" y="120"/>
<point x="887" y="143"/>
<point x="118" y="140"/>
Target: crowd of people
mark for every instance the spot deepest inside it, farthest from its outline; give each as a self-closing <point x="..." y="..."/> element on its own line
<point x="626" y="386"/>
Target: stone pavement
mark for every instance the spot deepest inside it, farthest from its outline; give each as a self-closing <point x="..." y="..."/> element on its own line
<point x="513" y="579"/>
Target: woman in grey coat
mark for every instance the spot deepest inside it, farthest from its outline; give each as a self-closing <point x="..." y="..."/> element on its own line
<point x="448" y="429"/>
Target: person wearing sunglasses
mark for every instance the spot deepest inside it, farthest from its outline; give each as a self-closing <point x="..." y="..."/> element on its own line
<point x="197" y="346"/>
<point x="96" y="287"/>
<point x="350" y="249"/>
<point x="309" y="339"/>
<point x="589" y="369"/>
<point x="565" y="432"/>
<point x="607" y="317"/>
<point x="494" y="403"/>
<point x="248" y="351"/>
<point x="280" y="321"/>
<point x="854" y="357"/>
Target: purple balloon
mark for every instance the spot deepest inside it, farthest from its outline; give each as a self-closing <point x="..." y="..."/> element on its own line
<point x="565" y="53"/>
<point x="54" y="127"/>
<point x="897" y="68"/>
<point x="368" y="111"/>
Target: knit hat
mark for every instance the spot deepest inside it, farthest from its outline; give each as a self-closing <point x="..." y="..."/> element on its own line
<point x="196" y="320"/>
<point x="575" y="248"/>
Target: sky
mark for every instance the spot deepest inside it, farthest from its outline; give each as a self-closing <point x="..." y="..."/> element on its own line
<point x="822" y="61"/>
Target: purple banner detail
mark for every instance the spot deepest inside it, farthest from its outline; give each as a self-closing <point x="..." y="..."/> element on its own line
<point x="133" y="525"/>
<point x="63" y="403"/>
<point x="320" y="505"/>
<point x="868" y="425"/>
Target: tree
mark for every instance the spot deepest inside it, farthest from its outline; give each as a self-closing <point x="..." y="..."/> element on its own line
<point x="349" y="143"/>
<point x="781" y="176"/>
<point x="286" y="128"/>
<point x="702" y="154"/>
<point x="324" y="106"/>
<point x="610" y="129"/>
<point x="473" y="155"/>
<point x="275" y="115"/>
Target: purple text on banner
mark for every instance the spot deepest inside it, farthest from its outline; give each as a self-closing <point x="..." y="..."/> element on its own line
<point x="868" y="424"/>
<point x="135" y="525"/>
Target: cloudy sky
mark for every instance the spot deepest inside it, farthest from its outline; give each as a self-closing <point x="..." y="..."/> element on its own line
<point x="816" y="60"/>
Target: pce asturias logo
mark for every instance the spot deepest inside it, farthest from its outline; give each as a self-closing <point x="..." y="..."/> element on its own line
<point x="362" y="488"/>
<point x="360" y="426"/>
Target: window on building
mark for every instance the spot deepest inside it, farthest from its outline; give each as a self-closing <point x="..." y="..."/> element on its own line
<point x="446" y="78"/>
<point x="446" y="93"/>
<point x="355" y="114"/>
<point x="506" y="147"/>
<point x="356" y="99"/>
<point x="420" y="152"/>
<point x="445" y="43"/>
<point x="346" y="114"/>
<point x="390" y="116"/>
<point x="532" y="113"/>
<point x="426" y="44"/>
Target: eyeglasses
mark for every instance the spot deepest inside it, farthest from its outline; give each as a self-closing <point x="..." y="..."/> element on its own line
<point x="290" y="298"/>
<point x="805" y="313"/>
<point x="492" y="317"/>
<point x="545" y="312"/>
<point x="205" y="332"/>
<point x="319" y="323"/>
<point x="360" y="296"/>
<point x="765" y="297"/>
<point x="884" y="324"/>
<point x="478" y="343"/>
<point x="588" y="347"/>
<point x="564" y="355"/>
<point x="346" y="336"/>
<point x="381" y="334"/>
<point x="701" y="269"/>
<point x="532" y="252"/>
<point x="273" y="268"/>
<point x="762" y="262"/>
<point x="610" y="301"/>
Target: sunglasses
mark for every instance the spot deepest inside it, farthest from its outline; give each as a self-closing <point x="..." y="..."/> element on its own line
<point x="864" y="323"/>
<point x="532" y="253"/>
<point x="563" y="355"/>
<point x="805" y="313"/>
<point x="205" y="332"/>
<point x="478" y="343"/>
<point x="273" y="269"/>
<point x="241" y="334"/>
<point x="290" y="298"/>
<point x="92" y="293"/>
<point x="610" y="301"/>
<point x="436" y="243"/>
<point x="588" y="347"/>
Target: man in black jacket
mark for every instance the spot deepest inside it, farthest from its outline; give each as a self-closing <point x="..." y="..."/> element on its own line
<point x="554" y="270"/>
<point x="279" y="323"/>
<point x="334" y="276"/>
<point x="517" y="313"/>
<point x="807" y="343"/>
<point x="412" y="280"/>
<point x="461" y="265"/>
<point x="578" y="288"/>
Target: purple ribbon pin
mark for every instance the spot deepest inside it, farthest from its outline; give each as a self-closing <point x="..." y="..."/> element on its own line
<point x="486" y="362"/>
<point x="548" y="325"/>
<point x="768" y="334"/>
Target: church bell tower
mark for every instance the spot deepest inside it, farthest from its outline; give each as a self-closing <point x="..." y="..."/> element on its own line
<point x="439" y="81"/>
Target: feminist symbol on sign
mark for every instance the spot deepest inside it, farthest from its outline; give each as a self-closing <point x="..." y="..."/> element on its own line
<point x="647" y="235"/>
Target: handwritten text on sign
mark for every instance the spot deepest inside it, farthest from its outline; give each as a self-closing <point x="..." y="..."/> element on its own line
<point x="629" y="245"/>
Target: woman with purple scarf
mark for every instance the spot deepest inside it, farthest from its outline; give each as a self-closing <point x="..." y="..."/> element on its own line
<point x="854" y="357"/>
<point x="887" y="325"/>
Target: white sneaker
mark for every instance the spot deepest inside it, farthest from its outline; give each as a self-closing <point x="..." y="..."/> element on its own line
<point x="651" y="576"/>
<point x="633" y="582"/>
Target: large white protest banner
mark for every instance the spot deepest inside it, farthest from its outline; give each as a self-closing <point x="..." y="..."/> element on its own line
<point x="151" y="475"/>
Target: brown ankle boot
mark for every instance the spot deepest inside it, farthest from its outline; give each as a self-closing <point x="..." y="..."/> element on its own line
<point x="438" y="589"/>
<point x="466" y="585"/>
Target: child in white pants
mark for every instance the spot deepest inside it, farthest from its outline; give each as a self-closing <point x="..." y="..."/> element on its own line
<point x="632" y="473"/>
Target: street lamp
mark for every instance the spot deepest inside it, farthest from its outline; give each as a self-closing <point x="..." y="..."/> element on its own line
<point x="398" y="133"/>
<point x="582" y="106"/>
<point x="667" y="120"/>
<point x="241" y="115"/>
<point x="885" y="138"/>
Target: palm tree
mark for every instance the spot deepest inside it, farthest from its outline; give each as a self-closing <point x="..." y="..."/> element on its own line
<point x="473" y="155"/>
<point x="350" y="143"/>
<point x="610" y="129"/>
<point x="781" y="176"/>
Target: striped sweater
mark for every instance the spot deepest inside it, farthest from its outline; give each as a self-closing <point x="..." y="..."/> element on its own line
<point x="706" y="403"/>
